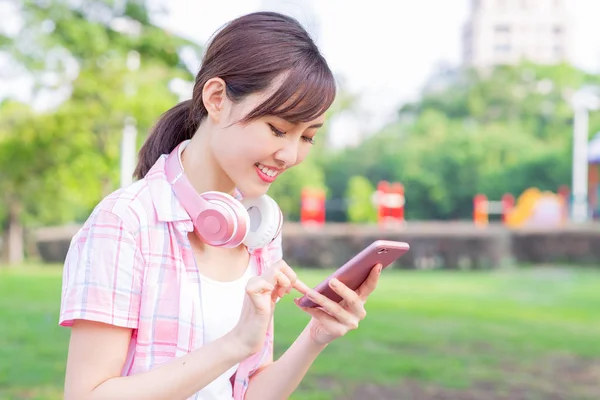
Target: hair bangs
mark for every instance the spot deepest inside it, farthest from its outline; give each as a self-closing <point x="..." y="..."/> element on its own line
<point x="306" y="93"/>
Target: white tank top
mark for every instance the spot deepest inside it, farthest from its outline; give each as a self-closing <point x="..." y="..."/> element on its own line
<point x="221" y="306"/>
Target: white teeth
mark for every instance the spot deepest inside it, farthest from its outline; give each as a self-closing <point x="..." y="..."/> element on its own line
<point x="268" y="171"/>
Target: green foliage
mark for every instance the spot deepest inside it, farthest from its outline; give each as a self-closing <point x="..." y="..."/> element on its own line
<point x="360" y="200"/>
<point x="494" y="132"/>
<point x="69" y="155"/>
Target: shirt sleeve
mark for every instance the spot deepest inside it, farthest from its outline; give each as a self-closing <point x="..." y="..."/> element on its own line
<point x="103" y="274"/>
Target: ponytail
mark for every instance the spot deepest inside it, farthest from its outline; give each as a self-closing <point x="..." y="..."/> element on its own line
<point x="173" y="127"/>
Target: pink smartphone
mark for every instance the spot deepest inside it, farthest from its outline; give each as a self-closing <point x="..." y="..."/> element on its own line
<point x="356" y="271"/>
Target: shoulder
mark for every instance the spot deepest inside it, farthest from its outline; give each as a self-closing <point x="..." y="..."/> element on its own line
<point x="114" y="226"/>
<point x="131" y="205"/>
<point x="122" y="214"/>
<point x="104" y="267"/>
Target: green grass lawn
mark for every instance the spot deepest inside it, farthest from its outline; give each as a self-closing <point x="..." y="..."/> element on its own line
<point x="513" y="334"/>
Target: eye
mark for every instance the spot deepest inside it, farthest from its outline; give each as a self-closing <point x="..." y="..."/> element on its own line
<point x="276" y="131"/>
<point x="279" y="133"/>
<point x="308" y="139"/>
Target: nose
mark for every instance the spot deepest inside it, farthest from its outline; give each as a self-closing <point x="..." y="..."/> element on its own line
<point x="287" y="155"/>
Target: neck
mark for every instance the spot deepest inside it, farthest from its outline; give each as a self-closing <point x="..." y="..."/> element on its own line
<point x="201" y="168"/>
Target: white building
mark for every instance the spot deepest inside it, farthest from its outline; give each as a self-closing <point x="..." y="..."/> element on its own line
<point x="508" y="31"/>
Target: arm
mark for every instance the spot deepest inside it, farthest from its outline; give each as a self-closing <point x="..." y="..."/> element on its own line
<point x="97" y="353"/>
<point x="279" y="379"/>
<point x="330" y="321"/>
<point x="102" y="292"/>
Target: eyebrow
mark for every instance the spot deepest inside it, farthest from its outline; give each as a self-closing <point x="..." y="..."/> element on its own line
<point x="313" y="126"/>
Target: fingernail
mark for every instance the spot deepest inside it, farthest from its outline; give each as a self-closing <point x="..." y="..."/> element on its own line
<point x="334" y="282"/>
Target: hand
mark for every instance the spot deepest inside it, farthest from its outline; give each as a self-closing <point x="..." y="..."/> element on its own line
<point x="262" y="292"/>
<point x="332" y="320"/>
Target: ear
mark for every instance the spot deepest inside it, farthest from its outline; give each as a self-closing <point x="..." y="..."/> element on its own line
<point x="214" y="97"/>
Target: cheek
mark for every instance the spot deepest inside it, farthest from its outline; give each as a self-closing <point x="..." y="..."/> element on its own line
<point x="303" y="152"/>
<point x="238" y="145"/>
<point x="227" y="151"/>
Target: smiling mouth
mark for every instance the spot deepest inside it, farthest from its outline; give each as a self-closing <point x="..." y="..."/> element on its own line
<point x="265" y="173"/>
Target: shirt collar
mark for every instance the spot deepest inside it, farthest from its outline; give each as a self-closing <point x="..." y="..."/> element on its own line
<point x="168" y="208"/>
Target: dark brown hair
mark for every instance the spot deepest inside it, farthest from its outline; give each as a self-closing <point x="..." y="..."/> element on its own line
<point x="248" y="53"/>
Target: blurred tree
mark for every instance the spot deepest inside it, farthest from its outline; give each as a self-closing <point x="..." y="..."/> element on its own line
<point x="97" y="62"/>
<point x="360" y="200"/>
<point x="94" y="63"/>
<point x="494" y="132"/>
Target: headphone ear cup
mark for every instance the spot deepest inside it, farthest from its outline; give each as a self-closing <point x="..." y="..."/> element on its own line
<point x="227" y="225"/>
<point x="265" y="221"/>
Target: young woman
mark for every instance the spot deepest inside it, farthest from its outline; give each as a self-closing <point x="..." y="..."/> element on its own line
<point x="170" y="286"/>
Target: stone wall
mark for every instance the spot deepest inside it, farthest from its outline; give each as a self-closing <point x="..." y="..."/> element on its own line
<point x="572" y="245"/>
<point x="433" y="245"/>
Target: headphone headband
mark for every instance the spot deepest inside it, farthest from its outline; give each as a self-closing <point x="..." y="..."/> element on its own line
<point x="183" y="188"/>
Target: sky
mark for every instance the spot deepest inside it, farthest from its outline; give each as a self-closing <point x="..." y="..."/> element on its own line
<point x="382" y="50"/>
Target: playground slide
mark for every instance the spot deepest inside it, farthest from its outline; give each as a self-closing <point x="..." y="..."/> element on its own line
<point x="536" y="208"/>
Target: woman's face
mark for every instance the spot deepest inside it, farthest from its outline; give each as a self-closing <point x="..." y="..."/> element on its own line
<point x="255" y="154"/>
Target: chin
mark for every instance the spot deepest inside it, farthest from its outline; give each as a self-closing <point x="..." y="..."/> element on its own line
<point x="252" y="191"/>
<point x="250" y="185"/>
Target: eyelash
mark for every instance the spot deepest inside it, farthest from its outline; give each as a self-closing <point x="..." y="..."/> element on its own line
<point x="278" y="133"/>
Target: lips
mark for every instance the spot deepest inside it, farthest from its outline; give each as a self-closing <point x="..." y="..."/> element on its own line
<point x="265" y="173"/>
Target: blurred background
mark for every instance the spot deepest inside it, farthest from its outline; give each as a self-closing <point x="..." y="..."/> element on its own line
<point x="468" y="128"/>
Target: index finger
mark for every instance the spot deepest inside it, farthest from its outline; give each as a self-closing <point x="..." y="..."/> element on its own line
<point x="300" y="286"/>
<point x="282" y="266"/>
<point x="296" y="283"/>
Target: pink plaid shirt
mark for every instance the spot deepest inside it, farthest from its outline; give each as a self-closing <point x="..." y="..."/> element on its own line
<point x="131" y="265"/>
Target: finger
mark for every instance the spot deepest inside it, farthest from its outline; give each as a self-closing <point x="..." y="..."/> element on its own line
<point x="332" y="308"/>
<point x="351" y="298"/>
<point x="282" y="280"/>
<point x="287" y="270"/>
<point x="331" y="325"/>
<point x="296" y="283"/>
<point x="278" y="293"/>
<point x="282" y="285"/>
<point x="256" y="288"/>
<point x="369" y="285"/>
<point x="301" y="286"/>
<point x="321" y="315"/>
<point x="280" y="268"/>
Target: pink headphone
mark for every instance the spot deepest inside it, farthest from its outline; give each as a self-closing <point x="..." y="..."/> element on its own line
<point x="219" y="219"/>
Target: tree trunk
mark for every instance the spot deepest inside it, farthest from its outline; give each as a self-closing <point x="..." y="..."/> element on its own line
<point x="14" y="236"/>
